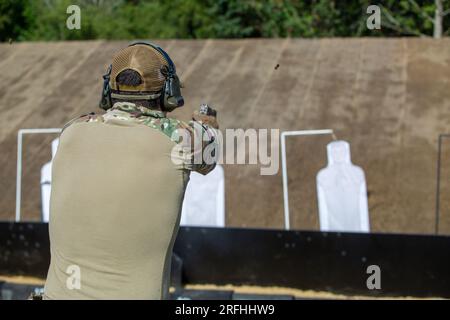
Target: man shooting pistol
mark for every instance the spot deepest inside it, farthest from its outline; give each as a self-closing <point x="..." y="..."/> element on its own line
<point x="117" y="191"/>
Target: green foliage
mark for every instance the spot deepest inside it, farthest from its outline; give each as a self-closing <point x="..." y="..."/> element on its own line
<point x="12" y="19"/>
<point x="408" y="17"/>
<point x="147" y="19"/>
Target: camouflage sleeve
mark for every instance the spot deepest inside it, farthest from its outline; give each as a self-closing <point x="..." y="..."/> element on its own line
<point x="200" y="146"/>
<point x="89" y="117"/>
<point x="197" y="144"/>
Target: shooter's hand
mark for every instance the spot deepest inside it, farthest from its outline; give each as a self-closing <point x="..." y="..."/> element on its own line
<point x="206" y="115"/>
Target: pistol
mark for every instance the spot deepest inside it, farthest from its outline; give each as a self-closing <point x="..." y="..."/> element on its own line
<point x="206" y="110"/>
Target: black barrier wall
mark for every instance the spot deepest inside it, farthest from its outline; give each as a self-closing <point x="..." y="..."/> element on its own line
<point x="410" y="265"/>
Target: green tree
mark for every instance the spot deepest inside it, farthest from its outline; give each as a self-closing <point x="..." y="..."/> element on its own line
<point x="12" y="19"/>
<point x="191" y="19"/>
<point x="415" y="17"/>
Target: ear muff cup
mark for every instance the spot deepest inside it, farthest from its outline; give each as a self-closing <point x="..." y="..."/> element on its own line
<point x="105" y="100"/>
<point x="171" y="97"/>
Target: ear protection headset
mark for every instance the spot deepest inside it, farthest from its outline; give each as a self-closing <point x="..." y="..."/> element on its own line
<point x="170" y="96"/>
